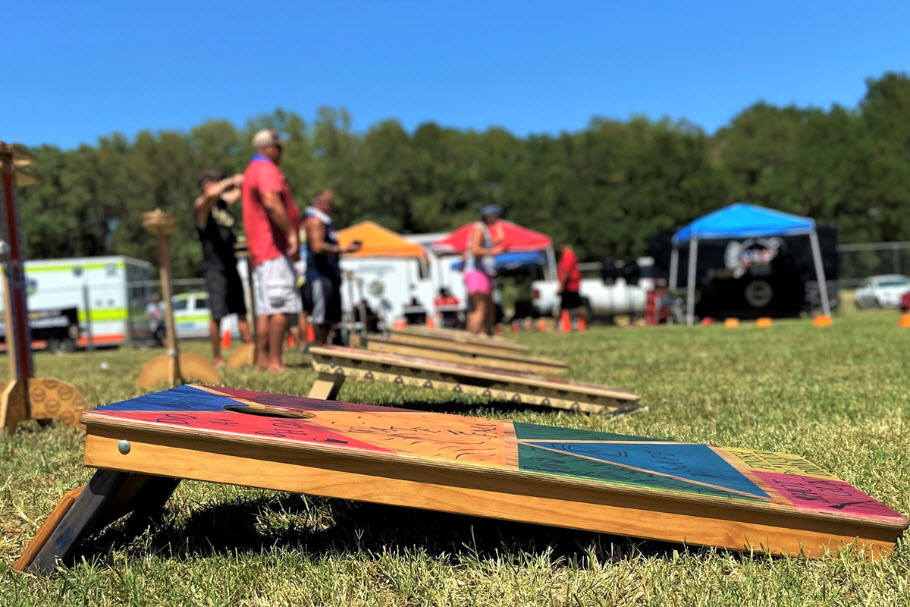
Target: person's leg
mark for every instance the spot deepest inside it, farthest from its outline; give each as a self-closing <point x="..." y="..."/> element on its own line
<point x="262" y="341"/>
<point x="262" y="317"/>
<point x="244" y="325"/>
<point x="277" y="325"/>
<point x="477" y="314"/>
<point x="489" y="319"/>
<point x="217" y="284"/>
<point x="215" y="339"/>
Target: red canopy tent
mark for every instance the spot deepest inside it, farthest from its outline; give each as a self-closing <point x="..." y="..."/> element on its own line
<point x="515" y="239"/>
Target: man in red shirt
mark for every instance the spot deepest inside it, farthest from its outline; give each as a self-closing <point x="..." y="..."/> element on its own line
<point x="569" y="282"/>
<point x="270" y="219"/>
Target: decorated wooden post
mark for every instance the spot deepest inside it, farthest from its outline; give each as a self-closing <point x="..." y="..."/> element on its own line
<point x="24" y="396"/>
<point x="245" y="354"/>
<point x="172" y="367"/>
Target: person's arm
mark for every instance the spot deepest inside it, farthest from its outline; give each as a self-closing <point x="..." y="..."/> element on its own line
<point x="210" y="195"/>
<point x="274" y="207"/>
<point x="315" y="235"/>
<point x="477" y="247"/>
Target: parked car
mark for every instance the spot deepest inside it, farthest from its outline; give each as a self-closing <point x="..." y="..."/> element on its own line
<point x="883" y="291"/>
<point x="192" y="316"/>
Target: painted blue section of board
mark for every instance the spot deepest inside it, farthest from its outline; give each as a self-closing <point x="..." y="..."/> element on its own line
<point x="181" y="398"/>
<point x="691" y="462"/>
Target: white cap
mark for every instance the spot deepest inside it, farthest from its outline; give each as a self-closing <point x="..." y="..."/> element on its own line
<point x="265" y="138"/>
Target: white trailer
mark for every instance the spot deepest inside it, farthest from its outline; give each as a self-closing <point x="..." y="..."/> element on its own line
<point x="110" y="292"/>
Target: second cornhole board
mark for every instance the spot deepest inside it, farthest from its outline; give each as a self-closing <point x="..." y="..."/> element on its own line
<point x="506" y="360"/>
<point x="335" y="363"/>
<point x="698" y="494"/>
<point x="484" y="344"/>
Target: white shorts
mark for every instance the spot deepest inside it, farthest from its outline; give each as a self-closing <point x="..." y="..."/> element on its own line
<point x="276" y="287"/>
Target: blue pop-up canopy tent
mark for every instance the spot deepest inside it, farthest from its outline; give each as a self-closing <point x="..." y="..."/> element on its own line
<point x="743" y="221"/>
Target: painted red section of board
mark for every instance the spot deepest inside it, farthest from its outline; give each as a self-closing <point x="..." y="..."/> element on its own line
<point x="230" y="423"/>
<point x="828" y="495"/>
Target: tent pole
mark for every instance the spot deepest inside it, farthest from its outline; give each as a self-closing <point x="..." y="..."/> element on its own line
<point x="820" y="273"/>
<point x="551" y="263"/>
<point x="674" y="267"/>
<point x="674" y="271"/>
<point x="690" y="291"/>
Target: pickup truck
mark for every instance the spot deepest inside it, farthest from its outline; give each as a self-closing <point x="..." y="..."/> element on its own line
<point x="192" y="317"/>
<point x="601" y="299"/>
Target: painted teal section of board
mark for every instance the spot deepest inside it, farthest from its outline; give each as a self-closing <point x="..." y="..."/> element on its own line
<point x="690" y="462"/>
<point x="535" y="459"/>
<point x="554" y="433"/>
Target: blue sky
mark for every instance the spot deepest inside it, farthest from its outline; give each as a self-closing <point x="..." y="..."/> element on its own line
<point x="74" y="71"/>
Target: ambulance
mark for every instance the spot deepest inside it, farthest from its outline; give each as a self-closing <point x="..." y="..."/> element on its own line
<point x="110" y="294"/>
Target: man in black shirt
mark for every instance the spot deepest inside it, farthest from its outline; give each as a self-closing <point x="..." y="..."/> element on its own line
<point x="215" y="226"/>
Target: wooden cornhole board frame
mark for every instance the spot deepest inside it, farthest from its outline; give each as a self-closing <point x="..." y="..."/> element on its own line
<point x="335" y="363"/>
<point x="448" y="337"/>
<point x="505" y="360"/>
<point x="738" y="499"/>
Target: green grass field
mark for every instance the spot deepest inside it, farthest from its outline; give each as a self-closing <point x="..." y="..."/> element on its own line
<point x="837" y="396"/>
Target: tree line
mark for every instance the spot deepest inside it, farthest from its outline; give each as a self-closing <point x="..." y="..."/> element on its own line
<point x="606" y="188"/>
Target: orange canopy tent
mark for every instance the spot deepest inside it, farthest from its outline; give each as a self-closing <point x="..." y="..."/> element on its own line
<point x="378" y="242"/>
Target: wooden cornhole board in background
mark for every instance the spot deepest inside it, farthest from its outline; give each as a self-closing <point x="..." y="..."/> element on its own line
<point x="335" y="363"/>
<point x="506" y="360"/>
<point x="485" y="345"/>
<point x="628" y="485"/>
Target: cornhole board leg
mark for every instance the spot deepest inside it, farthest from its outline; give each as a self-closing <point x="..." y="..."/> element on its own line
<point x="326" y="386"/>
<point x="109" y="495"/>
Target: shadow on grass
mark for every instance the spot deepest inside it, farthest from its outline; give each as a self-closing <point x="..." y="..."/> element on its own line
<point x="324" y="528"/>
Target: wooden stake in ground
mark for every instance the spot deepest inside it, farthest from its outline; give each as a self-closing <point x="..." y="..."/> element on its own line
<point x="245" y="354"/>
<point x="173" y="367"/>
<point x="24" y="396"/>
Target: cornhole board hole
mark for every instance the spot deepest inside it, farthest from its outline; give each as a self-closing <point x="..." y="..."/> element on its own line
<point x="466" y="353"/>
<point x="738" y="499"/>
<point x="421" y="335"/>
<point x="335" y="363"/>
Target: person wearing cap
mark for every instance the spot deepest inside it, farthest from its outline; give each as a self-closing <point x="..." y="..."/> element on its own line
<point x="322" y="288"/>
<point x="215" y="226"/>
<point x="485" y="241"/>
<point x="271" y="218"/>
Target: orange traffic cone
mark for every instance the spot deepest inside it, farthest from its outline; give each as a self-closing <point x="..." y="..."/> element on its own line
<point x="226" y="339"/>
<point x="290" y="340"/>
<point x="582" y="324"/>
<point x="399" y="323"/>
<point x="904" y="321"/>
<point x="565" y="322"/>
<point x="542" y="325"/>
<point x="431" y="322"/>
<point x="310" y="334"/>
<point x="822" y="320"/>
<point x="731" y="323"/>
<point x="763" y="322"/>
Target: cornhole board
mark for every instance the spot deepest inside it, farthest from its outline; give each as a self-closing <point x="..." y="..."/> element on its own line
<point x="738" y="499"/>
<point x="335" y="363"/>
<point x="466" y="353"/>
<point x="485" y="345"/>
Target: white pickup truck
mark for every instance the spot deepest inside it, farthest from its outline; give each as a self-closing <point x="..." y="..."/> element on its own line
<point x="601" y="300"/>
